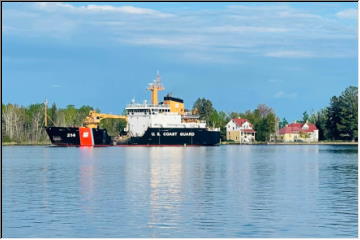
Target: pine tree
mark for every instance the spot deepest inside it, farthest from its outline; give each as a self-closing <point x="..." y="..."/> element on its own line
<point x="305" y="117"/>
<point x="320" y="120"/>
<point x="333" y="118"/>
<point x="348" y="114"/>
<point x="283" y="123"/>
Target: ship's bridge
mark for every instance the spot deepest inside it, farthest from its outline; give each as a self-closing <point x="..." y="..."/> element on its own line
<point x="143" y="116"/>
<point x="136" y="108"/>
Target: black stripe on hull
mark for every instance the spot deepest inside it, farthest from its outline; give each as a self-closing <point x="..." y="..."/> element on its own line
<point x="63" y="136"/>
<point x="177" y="136"/>
<point x="69" y="136"/>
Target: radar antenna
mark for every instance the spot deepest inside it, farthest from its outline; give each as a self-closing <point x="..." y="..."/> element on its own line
<point x="154" y="87"/>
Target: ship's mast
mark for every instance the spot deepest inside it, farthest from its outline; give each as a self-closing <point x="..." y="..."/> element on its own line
<point x="154" y="88"/>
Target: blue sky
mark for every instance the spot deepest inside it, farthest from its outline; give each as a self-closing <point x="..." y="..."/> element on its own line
<point x="291" y="56"/>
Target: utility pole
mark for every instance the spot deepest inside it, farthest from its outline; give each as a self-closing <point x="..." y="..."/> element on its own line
<point x="45" y="119"/>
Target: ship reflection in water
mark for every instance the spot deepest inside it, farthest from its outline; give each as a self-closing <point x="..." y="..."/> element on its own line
<point x="227" y="191"/>
<point x="87" y="163"/>
<point x="165" y="187"/>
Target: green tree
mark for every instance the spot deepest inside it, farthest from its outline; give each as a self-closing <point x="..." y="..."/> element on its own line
<point x="205" y="108"/>
<point x="70" y="115"/>
<point x="82" y="112"/>
<point x="264" y="123"/>
<point x="34" y="120"/>
<point x="347" y="126"/>
<point x="251" y="116"/>
<point x="333" y="118"/>
<point x="113" y="126"/>
<point x="320" y="120"/>
<point x="263" y="119"/>
<point x="234" y="115"/>
<point x="305" y="117"/>
<point x="219" y="120"/>
<point x="283" y="123"/>
<point x="52" y="115"/>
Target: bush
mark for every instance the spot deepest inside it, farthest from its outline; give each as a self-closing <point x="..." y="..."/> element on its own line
<point x="6" y="138"/>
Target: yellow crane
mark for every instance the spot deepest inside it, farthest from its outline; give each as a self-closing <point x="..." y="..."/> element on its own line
<point x="94" y="118"/>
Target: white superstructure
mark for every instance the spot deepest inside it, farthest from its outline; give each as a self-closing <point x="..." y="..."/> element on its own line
<point x="167" y="114"/>
<point x="143" y="116"/>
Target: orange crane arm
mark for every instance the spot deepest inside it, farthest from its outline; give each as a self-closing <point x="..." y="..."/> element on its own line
<point x="94" y="118"/>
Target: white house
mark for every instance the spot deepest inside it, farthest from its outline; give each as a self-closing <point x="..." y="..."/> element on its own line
<point x="240" y="130"/>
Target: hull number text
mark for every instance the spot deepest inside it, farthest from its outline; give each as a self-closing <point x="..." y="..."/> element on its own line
<point x="71" y="135"/>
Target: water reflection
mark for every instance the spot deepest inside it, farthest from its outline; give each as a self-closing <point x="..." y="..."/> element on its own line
<point x="342" y="149"/>
<point x="339" y="188"/>
<point x="227" y="191"/>
<point x="166" y="169"/>
<point x="87" y="176"/>
<point x="45" y="179"/>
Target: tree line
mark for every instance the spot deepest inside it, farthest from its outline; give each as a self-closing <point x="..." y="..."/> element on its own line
<point x="26" y="124"/>
<point x="263" y="118"/>
<point x="338" y="121"/>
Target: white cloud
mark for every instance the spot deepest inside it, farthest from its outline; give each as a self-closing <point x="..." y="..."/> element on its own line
<point x="102" y="8"/>
<point x="274" y="11"/>
<point x="292" y="14"/>
<point x="52" y="6"/>
<point x="282" y="94"/>
<point x="127" y="9"/>
<point x="269" y="8"/>
<point x="289" y="54"/>
<point x="351" y="13"/>
<point x="229" y="28"/>
<point x="165" y="41"/>
<point x="272" y="31"/>
<point x="204" y="57"/>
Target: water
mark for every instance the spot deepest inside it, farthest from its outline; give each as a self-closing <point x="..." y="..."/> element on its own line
<point x="225" y="191"/>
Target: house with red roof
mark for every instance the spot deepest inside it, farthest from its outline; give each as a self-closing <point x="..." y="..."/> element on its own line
<point x="299" y="132"/>
<point x="240" y="130"/>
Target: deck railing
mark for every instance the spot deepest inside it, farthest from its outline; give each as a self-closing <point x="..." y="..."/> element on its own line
<point x="145" y="105"/>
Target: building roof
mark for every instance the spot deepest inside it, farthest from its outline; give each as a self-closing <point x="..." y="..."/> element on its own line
<point x="240" y="121"/>
<point x="297" y="128"/>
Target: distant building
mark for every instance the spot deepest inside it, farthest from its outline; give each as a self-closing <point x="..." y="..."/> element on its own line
<point x="240" y="130"/>
<point x="299" y="132"/>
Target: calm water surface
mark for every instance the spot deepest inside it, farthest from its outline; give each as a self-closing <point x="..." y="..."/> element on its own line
<point x="225" y="191"/>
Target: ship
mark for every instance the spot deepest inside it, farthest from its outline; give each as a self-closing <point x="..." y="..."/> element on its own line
<point x="165" y="123"/>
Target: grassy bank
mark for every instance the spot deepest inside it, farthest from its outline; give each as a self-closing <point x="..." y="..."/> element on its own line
<point x="25" y="144"/>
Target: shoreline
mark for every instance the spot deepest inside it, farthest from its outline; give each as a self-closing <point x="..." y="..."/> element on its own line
<point x="222" y="143"/>
<point x="294" y="143"/>
<point x="24" y="144"/>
